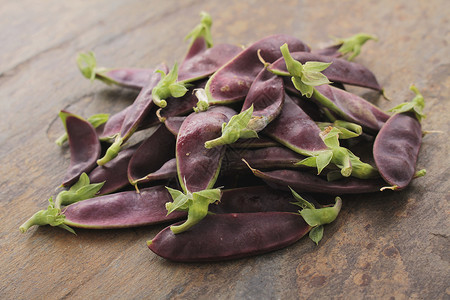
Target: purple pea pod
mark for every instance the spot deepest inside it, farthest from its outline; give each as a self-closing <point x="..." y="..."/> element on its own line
<point x="397" y="145"/>
<point x="232" y="81"/>
<point x="114" y="173"/>
<point x="207" y="62"/>
<point x="236" y="235"/>
<point x="254" y="199"/>
<point x="266" y="158"/>
<point x="134" y="116"/>
<point x="296" y="130"/>
<point x="351" y="107"/>
<point x="306" y="182"/>
<point x="198" y="167"/>
<point x="340" y="70"/>
<point x="230" y="236"/>
<point x="134" y="78"/>
<point x="351" y="45"/>
<point x="84" y="146"/>
<point x="151" y="156"/>
<point x="121" y="210"/>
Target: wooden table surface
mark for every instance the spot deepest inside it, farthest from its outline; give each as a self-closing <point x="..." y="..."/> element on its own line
<point x="382" y="246"/>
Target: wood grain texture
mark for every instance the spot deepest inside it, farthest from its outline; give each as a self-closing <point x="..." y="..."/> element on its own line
<point x="384" y="246"/>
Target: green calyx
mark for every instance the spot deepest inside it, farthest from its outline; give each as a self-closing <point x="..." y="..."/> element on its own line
<point x="348" y="163"/>
<point x="202" y="30"/>
<point x="347" y="130"/>
<point x="353" y="44"/>
<point x="196" y="204"/>
<point x="167" y="87"/>
<point x="416" y="105"/>
<point x="235" y="129"/>
<point x="304" y="76"/>
<point x="112" y="151"/>
<point x="81" y="190"/>
<point x="95" y="120"/>
<point x="87" y="64"/>
<point x="53" y="215"/>
<point x="316" y="217"/>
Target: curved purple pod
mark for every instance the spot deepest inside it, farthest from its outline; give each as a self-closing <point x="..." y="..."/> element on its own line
<point x="266" y="94"/>
<point x="232" y="81"/>
<point x="198" y="167"/>
<point x="396" y="149"/>
<point x="140" y="107"/>
<point x="151" y="155"/>
<point x="113" y="173"/>
<point x="230" y="236"/>
<point x="122" y="210"/>
<point x="84" y="147"/>
<point x="340" y="70"/>
<point x="113" y="125"/>
<point x="307" y="182"/>
<point x="254" y="199"/>
<point x="202" y="63"/>
<point x="354" y="108"/>
<point x="134" y="78"/>
<point x="269" y="157"/>
<point x="295" y="129"/>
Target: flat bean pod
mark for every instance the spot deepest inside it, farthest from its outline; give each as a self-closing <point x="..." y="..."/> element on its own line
<point x="354" y="108"/>
<point x="230" y="236"/>
<point x="396" y="149"/>
<point x="295" y="129"/>
<point x="151" y="155"/>
<point x="306" y="182"/>
<point x="232" y="81"/>
<point x="206" y="62"/>
<point x="121" y="210"/>
<point x="197" y="166"/>
<point x="254" y="199"/>
<point x="84" y="147"/>
<point x="266" y="95"/>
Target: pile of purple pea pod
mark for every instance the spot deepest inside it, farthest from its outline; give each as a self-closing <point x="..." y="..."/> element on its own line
<point x="240" y="142"/>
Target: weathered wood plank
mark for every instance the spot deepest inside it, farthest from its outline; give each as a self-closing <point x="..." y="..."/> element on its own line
<point x="382" y="246"/>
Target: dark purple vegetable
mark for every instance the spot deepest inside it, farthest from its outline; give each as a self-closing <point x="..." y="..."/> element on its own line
<point x="134" y="78"/>
<point x="84" y="146"/>
<point x="151" y="155"/>
<point x="266" y="94"/>
<point x="232" y="81"/>
<point x="120" y="210"/>
<point x="354" y="108"/>
<point x="114" y="124"/>
<point x="114" y="173"/>
<point x="340" y="70"/>
<point x="295" y="129"/>
<point x="397" y="145"/>
<point x="268" y="157"/>
<point x="306" y="182"/>
<point x="254" y="199"/>
<point x="230" y="236"/>
<point x="206" y="62"/>
<point x="197" y="166"/>
<point x="133" y="118"/>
